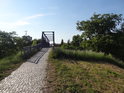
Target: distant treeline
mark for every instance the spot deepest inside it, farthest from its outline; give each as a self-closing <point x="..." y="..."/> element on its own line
<point x="101" y="33"/>
<point x="10" y="43"/>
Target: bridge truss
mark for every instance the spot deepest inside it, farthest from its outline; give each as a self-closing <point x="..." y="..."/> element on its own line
<point x="48" y="38"/>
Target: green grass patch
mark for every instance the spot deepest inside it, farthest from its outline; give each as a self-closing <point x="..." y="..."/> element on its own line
<point x="76" y="76"/>
<point x="9" y="63"/>
<point x="59" y="53"/>
<point x="12" y="62"/>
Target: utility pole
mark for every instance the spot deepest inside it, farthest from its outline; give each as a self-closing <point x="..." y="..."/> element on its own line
<point x="26" y="33"/>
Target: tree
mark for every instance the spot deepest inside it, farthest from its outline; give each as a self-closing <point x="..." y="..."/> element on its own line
<point x="119" y="50"/>
<point x="122" y="27"/>
<point x="34" y="42"/>
<point x="7" y="44"/>
<point x="62" y="42"/>
<point x="100" y="24"/>
<point x="39" y="41"/>
<point x="27" y="40"/>
<point x="19" y="43"/>
<point x="101" y="32"/>
<point x="76" y="41"/>
<point x="68" y="42"/>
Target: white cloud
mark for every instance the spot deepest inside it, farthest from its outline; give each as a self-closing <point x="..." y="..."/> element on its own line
<point x="14" y="24"/>
<point x="50" y="8"/>
<point x="34" y="16"/>
<point x="22" y="22"/>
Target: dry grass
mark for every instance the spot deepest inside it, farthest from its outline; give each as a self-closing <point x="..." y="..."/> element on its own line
<point x="69" y="76"/>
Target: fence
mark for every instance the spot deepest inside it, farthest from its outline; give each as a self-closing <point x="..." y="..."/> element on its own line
<point x="30" y="50"/>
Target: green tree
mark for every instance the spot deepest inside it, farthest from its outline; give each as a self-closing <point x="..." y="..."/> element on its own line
<point x="76" y="41"/>
<point x="62" y="42"/>
<point x="19" y="43"/>
<point x="102" y="32"/>
<point x="100" y="24"/>
<point x="7" y="44"/>
<point x="34" y="42"/>
<point x="68" y="42"/>
<point x="39" y="41"/>
<point x="27" y="40"/>
<point x="119" y="50"/>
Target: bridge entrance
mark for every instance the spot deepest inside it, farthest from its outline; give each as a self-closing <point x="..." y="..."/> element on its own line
<point x="48" y="38"/>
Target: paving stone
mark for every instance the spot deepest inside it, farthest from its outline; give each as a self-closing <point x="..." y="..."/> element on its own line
<point x="29" y="77"/>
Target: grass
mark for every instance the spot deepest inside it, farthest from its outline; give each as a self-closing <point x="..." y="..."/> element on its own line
<point x="76" y="76"/>
<point x="91" y="56"/>
<point x="10" y="63"/>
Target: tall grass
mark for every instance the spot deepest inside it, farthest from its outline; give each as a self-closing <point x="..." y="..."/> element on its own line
<point x="59" y="53"/>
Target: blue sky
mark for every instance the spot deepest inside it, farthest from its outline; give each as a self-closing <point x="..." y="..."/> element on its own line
<point x="35" y="16"/>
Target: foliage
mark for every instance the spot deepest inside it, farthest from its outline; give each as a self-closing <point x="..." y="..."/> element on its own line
<point x="68" y="42"/>
<point x="76" y="41"/>
<point x="19" y="43"/>
<point x="74" y="45"/>
<point x="62" y="42"/>
<point x="39" y="41"/>
<point x="10" y="43"/>
<point x="7" y="44"/>
<point x="67" y="46"/>
<point x="27" y="40"/>
<point x="34" y="42"/>
<point x="103" y="33"/>
<point x="100" y="24"/>
<point x="119" y="49"/>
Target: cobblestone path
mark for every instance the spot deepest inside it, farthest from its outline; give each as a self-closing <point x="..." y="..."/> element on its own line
<point x="29" y="77"/>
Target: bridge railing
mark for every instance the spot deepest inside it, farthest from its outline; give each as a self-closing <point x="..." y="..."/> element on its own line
<point x="30" y="50"/>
